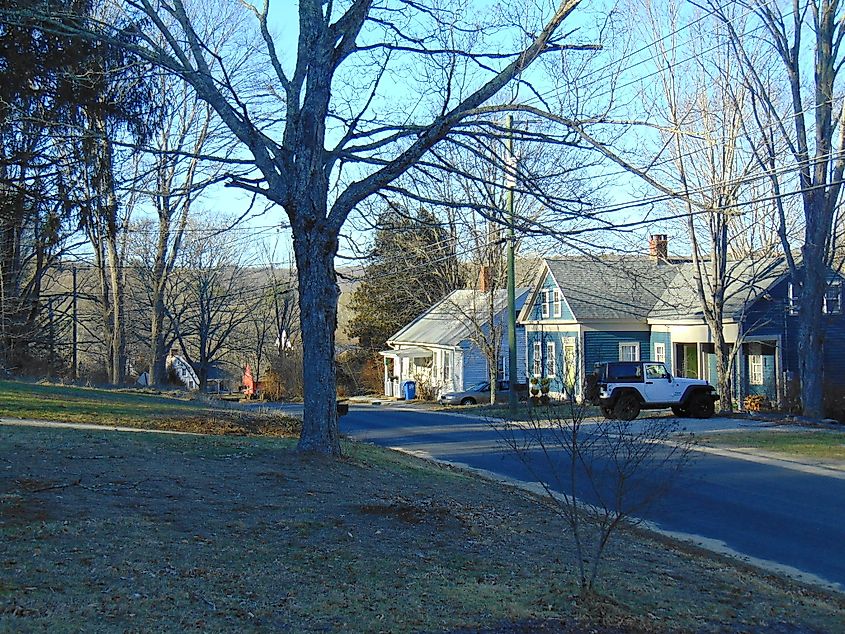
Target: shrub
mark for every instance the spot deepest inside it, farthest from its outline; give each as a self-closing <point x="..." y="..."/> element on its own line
<point x="359" y="371"/>
<point x="834" y="401"/>
<point x="284" y="378"/>
<point x="427" y="389"/>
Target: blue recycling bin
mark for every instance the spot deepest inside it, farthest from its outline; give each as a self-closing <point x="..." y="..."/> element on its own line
<point x="409" y="390"/>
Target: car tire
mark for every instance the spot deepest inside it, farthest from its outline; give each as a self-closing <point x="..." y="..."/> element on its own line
<point x="682" y="412"/>
<point x="607" y="412"/>
<point x="468" y="401"/>
<point x="701" y="406"/>
<point x="627" y="407"/>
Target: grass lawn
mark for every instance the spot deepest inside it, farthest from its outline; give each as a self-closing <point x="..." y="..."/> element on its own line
<point x="820" y="444"/>
<point x="134" y="408"/>
<point x="236" y="531"/>
<point x="142" y="532"/>
<point x="525" y="412"/>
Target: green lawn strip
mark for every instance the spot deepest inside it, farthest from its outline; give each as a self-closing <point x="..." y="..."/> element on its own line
<point x="818" y="444"/>
<point x="134" y="409"/>
<point x="524" y="411"/>
<point x="147" y="532"/>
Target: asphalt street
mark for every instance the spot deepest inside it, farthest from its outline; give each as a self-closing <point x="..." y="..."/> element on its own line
<point x="779" y="517"/>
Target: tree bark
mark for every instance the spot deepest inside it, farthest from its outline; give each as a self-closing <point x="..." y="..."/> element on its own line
<point x="811" y="332"/>
<point x="158" y="355"/>
<point x="315" y="251"/>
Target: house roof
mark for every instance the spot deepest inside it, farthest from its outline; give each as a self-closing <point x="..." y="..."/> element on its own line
<point x="610" y="288"/>
<point x="451" y="320"/>
<point x="748" y="279"/>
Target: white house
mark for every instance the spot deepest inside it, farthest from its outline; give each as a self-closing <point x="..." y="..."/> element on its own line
<point x="439" y="349"/>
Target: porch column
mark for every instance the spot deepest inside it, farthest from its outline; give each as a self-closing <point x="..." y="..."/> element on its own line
<point x="388" y="384"/>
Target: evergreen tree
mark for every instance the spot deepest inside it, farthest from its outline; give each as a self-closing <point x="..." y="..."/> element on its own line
<point x="413" y="264"/>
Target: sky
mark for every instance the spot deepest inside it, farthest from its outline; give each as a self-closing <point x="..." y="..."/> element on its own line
<point x="410" y="91"/>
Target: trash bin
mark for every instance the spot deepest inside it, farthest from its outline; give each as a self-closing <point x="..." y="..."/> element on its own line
<point x="409" y="390"/>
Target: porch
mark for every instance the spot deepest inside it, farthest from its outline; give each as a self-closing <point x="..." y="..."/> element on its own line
<point x="755" y="368"/>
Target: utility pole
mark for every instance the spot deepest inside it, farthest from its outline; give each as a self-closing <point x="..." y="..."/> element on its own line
<point x="512" y="370"/>
<point x="74" y="355"/>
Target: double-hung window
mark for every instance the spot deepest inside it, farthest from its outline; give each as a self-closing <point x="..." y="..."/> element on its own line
<point x="755" y="369"/>
<point x="537" y="360"/>
<point x="660" y="352"/>
<point x="833" y="298"/>
<point x="556" y="301"/>
<point x="793" y="298"/>
<point x="544" y="303"/>
<point x="551" y="369"/>
<point x="629" y="351"/>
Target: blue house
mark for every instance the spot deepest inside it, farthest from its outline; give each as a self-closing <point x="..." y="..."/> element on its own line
<point x="582" y="311"/>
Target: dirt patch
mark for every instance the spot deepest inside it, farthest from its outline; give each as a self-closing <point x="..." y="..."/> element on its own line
<point x="144" y="532"/>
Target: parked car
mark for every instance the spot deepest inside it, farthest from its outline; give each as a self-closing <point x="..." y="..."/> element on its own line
<point x="623" y="388"/>
<point x="480" y="393"/>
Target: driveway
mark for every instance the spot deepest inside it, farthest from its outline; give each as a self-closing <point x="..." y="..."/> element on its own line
<point x="770" y="512"/>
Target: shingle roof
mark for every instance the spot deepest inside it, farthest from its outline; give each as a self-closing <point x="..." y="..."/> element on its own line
<point x="450" y="320"/>
<point x="611" y="288"/>
<point x="748" y="280"/>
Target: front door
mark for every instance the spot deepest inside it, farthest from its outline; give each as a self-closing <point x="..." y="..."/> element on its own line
<point x="569" y="360"/>
<point x="686" y="360"/>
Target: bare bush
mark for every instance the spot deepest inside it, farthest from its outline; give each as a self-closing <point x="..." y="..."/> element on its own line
<point x="598" y="474"/>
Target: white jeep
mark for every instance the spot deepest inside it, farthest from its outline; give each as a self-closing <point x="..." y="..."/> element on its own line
<point x="623" y="388"/>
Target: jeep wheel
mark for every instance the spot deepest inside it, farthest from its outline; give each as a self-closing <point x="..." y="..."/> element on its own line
<point x="677" y="410"/>
<point x="627" y="407"/>
<point x="701" y="406"/>
<point x="607" y="412"/>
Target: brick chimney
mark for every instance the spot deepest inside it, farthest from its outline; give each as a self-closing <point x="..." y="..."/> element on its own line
<point x="658" y="248"/>
<point x="485" y="279"/>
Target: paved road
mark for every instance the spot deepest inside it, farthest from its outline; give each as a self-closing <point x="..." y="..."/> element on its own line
<point x="779" y="517"/>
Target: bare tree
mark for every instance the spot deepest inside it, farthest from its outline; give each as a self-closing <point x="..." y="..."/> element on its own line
<point x="810" y="124"/>
<point x="705" y="163"/>
<point x="179" y="179"/>
<point x="338" y="140"/>
<point x="212" y="302"/>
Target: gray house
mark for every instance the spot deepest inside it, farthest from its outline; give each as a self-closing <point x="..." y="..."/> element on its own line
<point x="440" y="349"/>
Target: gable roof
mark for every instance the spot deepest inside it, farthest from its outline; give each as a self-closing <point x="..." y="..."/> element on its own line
<point x="608" y="287"/>
<point x="450" y="320"/>
<point x="748" y="280"/>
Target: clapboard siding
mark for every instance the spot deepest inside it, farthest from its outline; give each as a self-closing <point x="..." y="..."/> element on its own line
<point x="559" y="339"/>
<point x="600" y="347"/>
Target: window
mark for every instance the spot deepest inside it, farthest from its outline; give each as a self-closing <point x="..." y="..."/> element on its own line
<point x="660" y="352"/>
<point x="625" y="372"/>
<point x="544" y="303"/>
<point x="556" y="300"/>
<point x="629" y="351"/>
<point x="551" y="370"/>
<point x="755" y="369"/>
<point x="537" y="361"/>
<point x="447" y="365"/>
<point x="833" y="299"/>
<point x="793" y="299"/>
<point x="655" y="371"/>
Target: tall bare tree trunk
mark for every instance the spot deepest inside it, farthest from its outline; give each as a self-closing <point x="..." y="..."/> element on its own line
<point x="118" y="332"/>
<point x="318" y="295"/>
